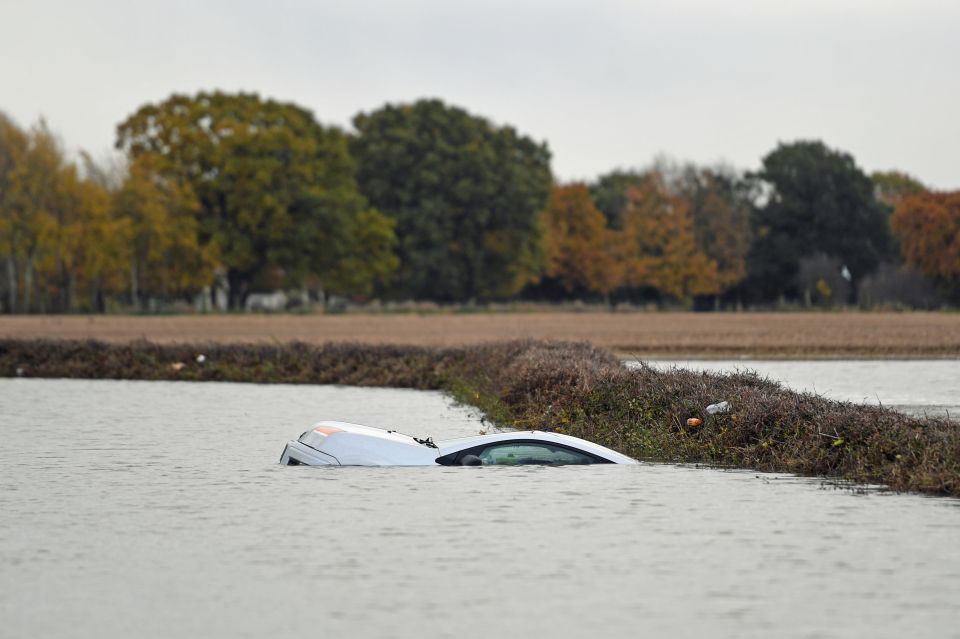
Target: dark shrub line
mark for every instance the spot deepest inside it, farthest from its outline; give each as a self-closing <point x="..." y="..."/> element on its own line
<point x="572" y="388"/>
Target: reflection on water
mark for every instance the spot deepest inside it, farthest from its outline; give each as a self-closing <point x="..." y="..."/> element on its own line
<point x="917" y="387"/>
<point x="158" y="510"/>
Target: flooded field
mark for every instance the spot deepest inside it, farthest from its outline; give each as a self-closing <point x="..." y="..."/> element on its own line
<point x="916" y="387"/>
<point x="158" y="509"/>
<point x="668" y="335"/>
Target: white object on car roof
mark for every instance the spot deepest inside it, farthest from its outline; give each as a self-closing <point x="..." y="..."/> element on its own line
<point x="344" y="444"/>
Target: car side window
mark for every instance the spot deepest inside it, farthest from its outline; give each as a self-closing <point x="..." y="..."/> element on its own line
<point x="513" y="454"/>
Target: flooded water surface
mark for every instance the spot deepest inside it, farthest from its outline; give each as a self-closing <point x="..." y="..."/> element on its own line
<point x="916" y="387"/>
<point x="154" y="509"/>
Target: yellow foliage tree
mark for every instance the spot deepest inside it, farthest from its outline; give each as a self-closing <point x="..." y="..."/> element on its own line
<point x="63" y="249"/>
<point x="90" y="246"/>
<point x="13" y="148"/>
<point x="33" y="165"/>
<point x="166" y="258"/>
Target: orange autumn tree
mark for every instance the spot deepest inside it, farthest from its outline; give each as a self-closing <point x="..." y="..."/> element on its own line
<point x="657" y="247"/>
<point x="928" y="226"/>
<point x="576" y="242"/>
<point x="720" y="210"/>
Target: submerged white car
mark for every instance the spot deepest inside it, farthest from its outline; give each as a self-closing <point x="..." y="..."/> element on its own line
<point x="343" y="444"/>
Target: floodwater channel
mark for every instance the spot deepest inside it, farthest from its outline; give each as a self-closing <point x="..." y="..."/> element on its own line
<point x="915" y="387"/>
<point x="158" y="509"/>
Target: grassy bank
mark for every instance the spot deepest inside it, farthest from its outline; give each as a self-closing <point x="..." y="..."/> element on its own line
<point x="573" y="388"/>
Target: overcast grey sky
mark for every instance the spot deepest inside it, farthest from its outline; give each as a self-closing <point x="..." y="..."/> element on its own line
<point x="607" y="84"/>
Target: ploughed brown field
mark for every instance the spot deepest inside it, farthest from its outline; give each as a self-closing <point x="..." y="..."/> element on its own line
<point x="705" y="335"/>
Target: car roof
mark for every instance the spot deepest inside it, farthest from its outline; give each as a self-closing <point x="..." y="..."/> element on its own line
<point x="450" y="446"/>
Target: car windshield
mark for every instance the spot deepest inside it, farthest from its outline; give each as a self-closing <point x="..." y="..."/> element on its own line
<point x="517" y="454"/>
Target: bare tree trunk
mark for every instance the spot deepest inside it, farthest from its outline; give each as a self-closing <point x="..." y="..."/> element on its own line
<point x="28" y="285"/>
<point x="65" y="277"/>
<point x="12" y="283"/>
<point x="238" y="289"/>
<point x="134" y="285"/>
<point x="96" y="298"/>
<point x="71" y="292"/>
<point x="304" y="294"/>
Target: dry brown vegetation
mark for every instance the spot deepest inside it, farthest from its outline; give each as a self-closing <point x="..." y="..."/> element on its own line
<point x="574" y="388"/>
<point x="778" y="335"/>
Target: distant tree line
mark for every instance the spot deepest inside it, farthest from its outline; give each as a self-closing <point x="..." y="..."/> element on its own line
<point x="426" y="201"/>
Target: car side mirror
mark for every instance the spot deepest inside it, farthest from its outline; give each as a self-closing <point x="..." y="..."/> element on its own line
<point x="471" y="460"/>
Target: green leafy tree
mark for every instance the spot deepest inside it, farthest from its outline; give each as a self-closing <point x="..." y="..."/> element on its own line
<point x="276" y="189"/>
<point x="465" y="196"/>
<point x="892" y="186"/>
<point x="819" y="202"/>
<point x="609" y="193"/>
<point x="355" y="258"/>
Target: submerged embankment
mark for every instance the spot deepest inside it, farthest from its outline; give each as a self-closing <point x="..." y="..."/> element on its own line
<point x="574" y="388"/>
